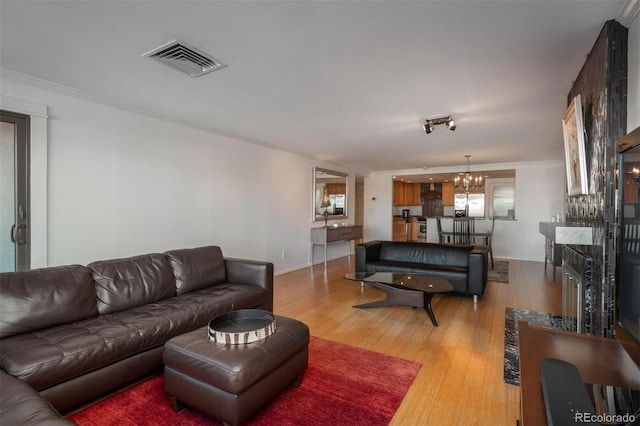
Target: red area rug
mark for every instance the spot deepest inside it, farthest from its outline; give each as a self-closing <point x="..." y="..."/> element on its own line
<point x="343" y="385"/>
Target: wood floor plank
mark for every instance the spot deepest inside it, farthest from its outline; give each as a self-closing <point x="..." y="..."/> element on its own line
<point x="460" y="380"/>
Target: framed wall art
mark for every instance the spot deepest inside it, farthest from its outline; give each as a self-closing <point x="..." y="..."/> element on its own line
<point x="574" y="149"/>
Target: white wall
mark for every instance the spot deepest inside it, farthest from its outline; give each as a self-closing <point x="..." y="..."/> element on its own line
<point x="540" y="188"/>
<point x="121" y="183"/>
<point x="633" y="73"/>
<point x="378" y="207"/>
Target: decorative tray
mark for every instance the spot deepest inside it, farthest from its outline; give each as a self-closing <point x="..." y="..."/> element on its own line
<point x="241" y="327"/>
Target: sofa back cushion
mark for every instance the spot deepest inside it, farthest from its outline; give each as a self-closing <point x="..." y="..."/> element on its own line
<point x="125" y="283"/>
<point x="42" y="298"/>
<point x="197" y="268"/>
<point x="427" y="253"/>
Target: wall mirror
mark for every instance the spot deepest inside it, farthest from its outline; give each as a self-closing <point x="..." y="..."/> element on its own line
<point x="329" y="194"/>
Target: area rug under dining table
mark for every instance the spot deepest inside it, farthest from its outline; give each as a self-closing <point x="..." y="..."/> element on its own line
<point x="344" y="385"/>
<point x="500" y="271"/>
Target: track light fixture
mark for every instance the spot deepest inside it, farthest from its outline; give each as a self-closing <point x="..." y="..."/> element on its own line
<point x="451" y="125"/>
<point x="428" y="127"/>
<point x="430" y="122"/>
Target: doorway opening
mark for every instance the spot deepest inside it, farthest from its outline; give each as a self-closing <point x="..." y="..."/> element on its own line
<point x="14" y="192"/>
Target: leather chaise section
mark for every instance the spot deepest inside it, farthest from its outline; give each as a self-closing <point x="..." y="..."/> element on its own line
<point x="22" y="405"/>
<point x="48" y="357"/>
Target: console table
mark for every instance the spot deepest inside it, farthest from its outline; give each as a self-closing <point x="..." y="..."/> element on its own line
<point x="324" y="235"/>
<point x="599" y="361"/>
<point x="556" y="235"/>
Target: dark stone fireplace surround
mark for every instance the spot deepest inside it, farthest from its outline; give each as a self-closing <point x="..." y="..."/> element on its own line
<point x="602" y="86"/>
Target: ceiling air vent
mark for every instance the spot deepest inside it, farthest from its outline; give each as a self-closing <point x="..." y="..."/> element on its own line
<point x="185" y="58"/>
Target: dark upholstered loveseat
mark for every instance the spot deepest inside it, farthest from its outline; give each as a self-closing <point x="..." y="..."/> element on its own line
<point x="73" y="333"/>
<point x="465" y="267"/>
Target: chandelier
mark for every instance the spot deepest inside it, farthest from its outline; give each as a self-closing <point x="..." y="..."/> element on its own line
<point x="468" y="182"/>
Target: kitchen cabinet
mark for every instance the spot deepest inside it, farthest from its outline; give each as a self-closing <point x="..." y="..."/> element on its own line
<point x="413" y="230"/>
<point x="406" y="194"/>
<point x="447" y="194"/>
<point x="336" y="188"/>
<point x="398" y="193"/>
<point x="405" y="229"/>
<point x="412" y="194"/>
<point x="399" y="229"/>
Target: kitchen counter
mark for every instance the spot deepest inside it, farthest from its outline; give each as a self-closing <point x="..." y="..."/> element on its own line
<point x="419" y="218"/>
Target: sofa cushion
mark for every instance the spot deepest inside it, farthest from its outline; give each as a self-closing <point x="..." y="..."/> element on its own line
<point x="125" y="283"/>
<point x="48" y="357"/>
<point x="197" y="268"/>
<point x="427" y="253"/>
<point x="43" y="298"/>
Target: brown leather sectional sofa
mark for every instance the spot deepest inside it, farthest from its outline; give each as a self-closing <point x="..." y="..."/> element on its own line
<point x="465" y="267"/>
<point x="73" y="333"/>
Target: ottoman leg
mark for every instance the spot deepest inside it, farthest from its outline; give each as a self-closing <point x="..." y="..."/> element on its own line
<point x="298" y="381"/>
<point x="175" y="403"/>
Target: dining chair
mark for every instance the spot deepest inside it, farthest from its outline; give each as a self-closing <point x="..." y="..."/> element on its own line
<point x="440" y="234"/>
<point x="462" y="230"/>
<point x="488" y="239"/>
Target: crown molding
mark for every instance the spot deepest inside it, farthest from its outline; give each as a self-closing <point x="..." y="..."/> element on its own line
<point x="62" y="89"/>
<point x="629" y="12"/>
<point x="92" y="97"/>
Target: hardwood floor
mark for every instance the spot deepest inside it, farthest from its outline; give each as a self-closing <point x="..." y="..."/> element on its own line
<point x="460" y="381"/>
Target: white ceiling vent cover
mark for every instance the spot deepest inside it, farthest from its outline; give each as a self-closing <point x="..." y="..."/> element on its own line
<point x="185" y="58"/>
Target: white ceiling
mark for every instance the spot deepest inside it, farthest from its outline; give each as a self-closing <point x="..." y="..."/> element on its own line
<point x="350" y="82"/>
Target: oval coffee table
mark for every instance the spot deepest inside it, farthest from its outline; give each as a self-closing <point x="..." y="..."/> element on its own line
<point x="403" y="289"/>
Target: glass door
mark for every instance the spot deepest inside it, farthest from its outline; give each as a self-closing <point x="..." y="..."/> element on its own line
<point x="14" y="192"/>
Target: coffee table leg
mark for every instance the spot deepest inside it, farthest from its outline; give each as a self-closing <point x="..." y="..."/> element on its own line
<point x="402" y="297"/>
<point x="395" y="297"/>
<point x="427" y="307"/>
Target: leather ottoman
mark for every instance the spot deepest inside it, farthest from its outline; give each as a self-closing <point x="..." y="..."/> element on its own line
<point x="232" y="382"/>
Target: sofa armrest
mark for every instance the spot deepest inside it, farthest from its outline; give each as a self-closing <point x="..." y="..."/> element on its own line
<point x="252" y="272"/>
<point x="477" y="271"/>
<point x="366" y="252"/>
